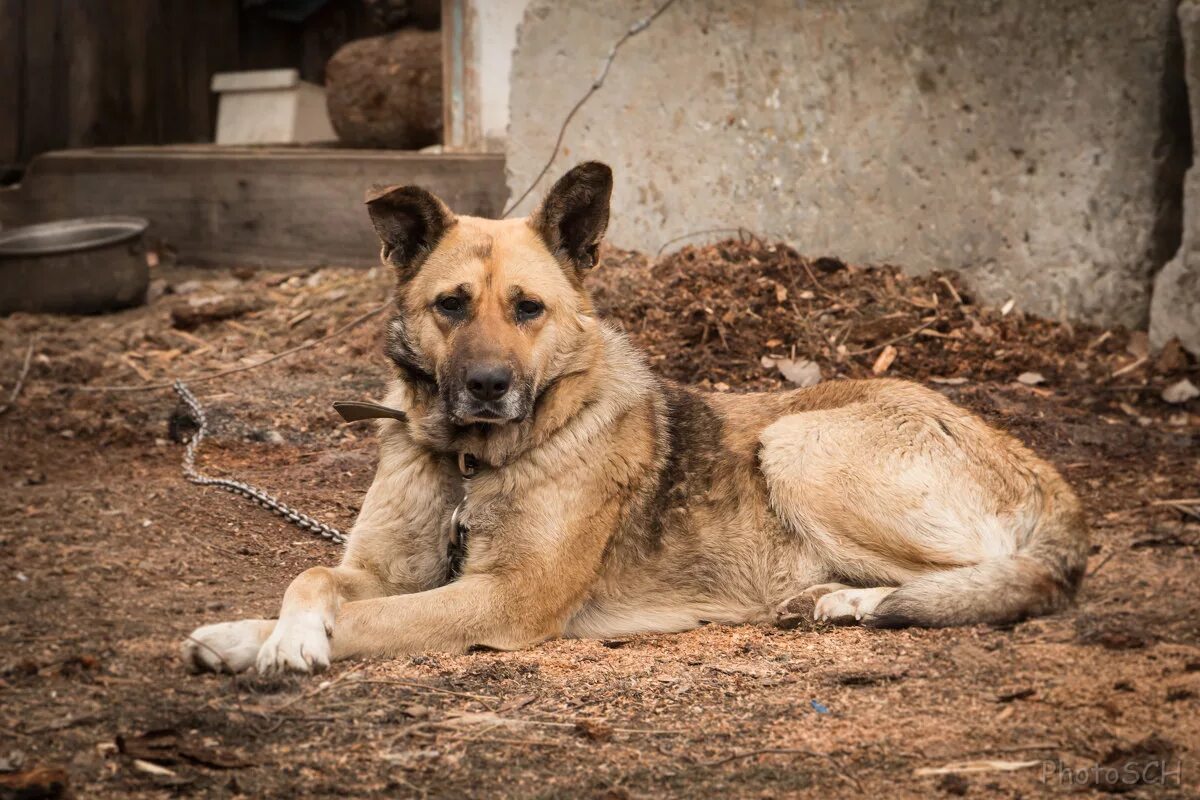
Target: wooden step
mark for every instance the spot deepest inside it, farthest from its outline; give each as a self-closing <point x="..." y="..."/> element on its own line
<point x="257" y="206"/>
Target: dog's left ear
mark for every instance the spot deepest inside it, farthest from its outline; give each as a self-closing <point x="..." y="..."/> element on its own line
<point x="410" y="222"/>
<point x="574" y="215"/>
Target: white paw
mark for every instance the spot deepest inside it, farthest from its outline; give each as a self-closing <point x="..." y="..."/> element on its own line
<point x="848" y="606"/>
<point x="225" y="646"/>
<point x="300" y="642"/>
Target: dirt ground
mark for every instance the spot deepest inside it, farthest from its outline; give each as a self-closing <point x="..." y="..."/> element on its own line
<point x="109" y="559"/>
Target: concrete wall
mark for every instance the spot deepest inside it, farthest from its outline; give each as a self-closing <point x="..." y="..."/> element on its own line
<point x="1029" y="144"/>
<point x="1175" y="306"/>
<point x="497" y="26"/>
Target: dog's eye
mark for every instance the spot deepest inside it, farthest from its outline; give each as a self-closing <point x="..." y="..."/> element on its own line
<point x="529" y="309"/>
<point x="452" y="305"/>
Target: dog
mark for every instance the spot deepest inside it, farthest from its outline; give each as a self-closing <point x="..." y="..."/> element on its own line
<point x="536" y="479"/>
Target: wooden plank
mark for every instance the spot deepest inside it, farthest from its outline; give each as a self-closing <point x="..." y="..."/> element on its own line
<point x="12" y="53"/>
<point x="462" y="126"/>
<point x="85" y="71"/>
<point x="44" y="84"/>
<point x="258" y="206"/>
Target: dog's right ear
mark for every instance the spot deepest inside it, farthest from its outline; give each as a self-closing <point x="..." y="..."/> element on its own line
<point x="410" y="222"/>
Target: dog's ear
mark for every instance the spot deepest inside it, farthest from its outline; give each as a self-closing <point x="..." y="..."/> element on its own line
<point x="410" y="222"/>
<point x="574" y="215"/>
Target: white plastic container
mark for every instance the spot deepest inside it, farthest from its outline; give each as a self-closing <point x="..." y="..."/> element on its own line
<point x="270" y="106"/>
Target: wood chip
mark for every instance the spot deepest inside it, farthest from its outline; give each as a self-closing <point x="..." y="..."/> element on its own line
<point x="151" y="768"/>
<point x="886" y="357"/>
<point x="961" y="767"/>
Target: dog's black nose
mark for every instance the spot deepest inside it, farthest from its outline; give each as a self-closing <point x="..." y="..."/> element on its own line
<point x="488" y="382"/>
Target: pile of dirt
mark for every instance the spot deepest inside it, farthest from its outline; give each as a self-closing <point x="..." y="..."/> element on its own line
<point x="727" y="315"/>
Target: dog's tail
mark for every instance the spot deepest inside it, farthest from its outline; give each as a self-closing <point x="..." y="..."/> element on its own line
<point x="1040" y="577"/>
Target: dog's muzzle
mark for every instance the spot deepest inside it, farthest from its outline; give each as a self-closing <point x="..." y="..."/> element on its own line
<point x="489" y="393"/>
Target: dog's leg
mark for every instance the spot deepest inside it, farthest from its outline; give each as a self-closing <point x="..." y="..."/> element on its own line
<point x="297" y="640"/>
<point x="300" y="639"/>
<point x="954" y="524"/>
<point x="486" y="610"/>
<point x="398" y="537"/>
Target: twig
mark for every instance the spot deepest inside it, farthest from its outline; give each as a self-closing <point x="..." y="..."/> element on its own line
<point x="633" y="30"/>
<point x="669" y="242"/>
<point x="147" y="387"/>
<point x="1100" y="566"/>
<point x="1130" y="367"/>
<point x="900" y="338"/>
<point x="1181" y="508"/>
<point x="953" y="292"/>
<point x="16" y="390"/>
<point x="539" y="742"/>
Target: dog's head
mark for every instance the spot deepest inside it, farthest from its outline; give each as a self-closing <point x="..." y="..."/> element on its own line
<point x="491" y="312"/>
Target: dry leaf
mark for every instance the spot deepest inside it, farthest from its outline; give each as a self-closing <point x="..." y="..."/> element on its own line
<point x="886" y="357"/>
<point x="949" y="381"/>
<point x="1171" y="359"/>
<point x="1139" y="345"/>
<point x="1031" y="378"/>
<point x="1008" y="307"/>
<point x="1180" y="392"/>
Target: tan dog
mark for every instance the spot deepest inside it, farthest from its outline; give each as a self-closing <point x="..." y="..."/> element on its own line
<point x="604" y="501"/>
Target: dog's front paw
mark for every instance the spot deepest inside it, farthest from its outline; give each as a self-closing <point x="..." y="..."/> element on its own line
<point x="225" y="646"/>
<point x="300" y="642"/>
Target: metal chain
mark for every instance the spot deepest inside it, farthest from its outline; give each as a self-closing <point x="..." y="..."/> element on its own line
<point x="251" y="493"/>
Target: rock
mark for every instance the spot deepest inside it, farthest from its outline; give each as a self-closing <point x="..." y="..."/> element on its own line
<point x="1180" y="392"/>
<point x="1175" y="304"/>
<point x="386" y="91"/>
<point x="800" y="371"/>
<point x="1022" y="143"/>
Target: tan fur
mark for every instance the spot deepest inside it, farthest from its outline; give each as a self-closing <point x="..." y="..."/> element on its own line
<point x="622" y="503"/>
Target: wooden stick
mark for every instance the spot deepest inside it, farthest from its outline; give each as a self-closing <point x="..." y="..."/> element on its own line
<point x="16" y="391"/>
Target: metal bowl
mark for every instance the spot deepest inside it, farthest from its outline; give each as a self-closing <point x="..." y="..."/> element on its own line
<point x="74" y="266"/>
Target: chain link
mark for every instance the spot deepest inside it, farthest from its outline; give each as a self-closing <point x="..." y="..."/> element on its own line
<point x="251" y="493"/>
